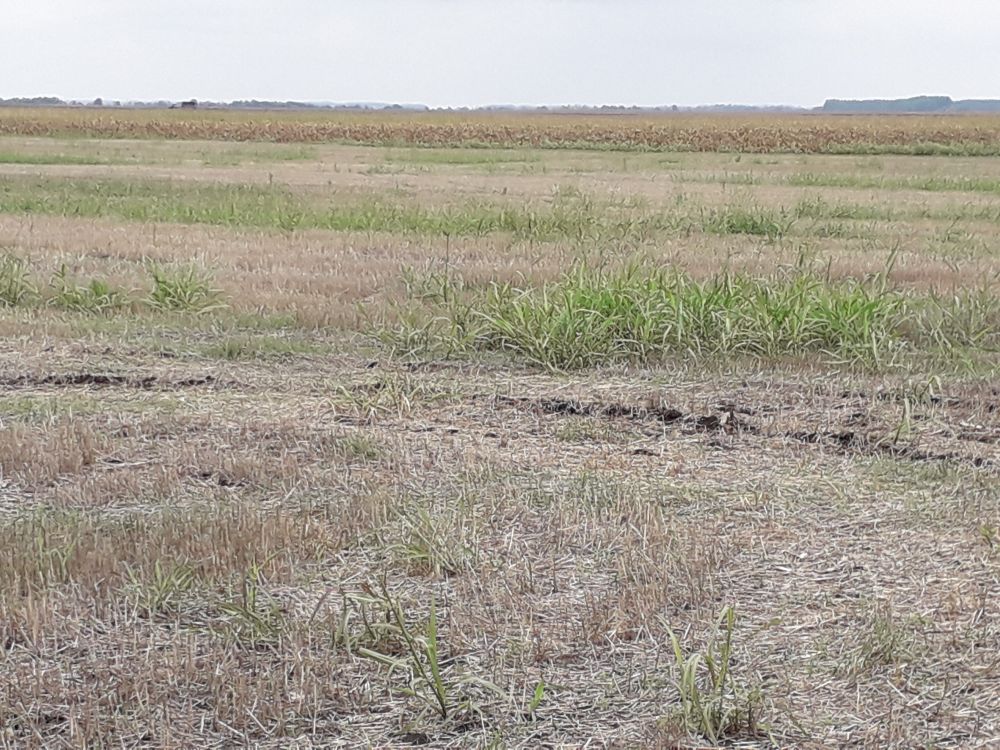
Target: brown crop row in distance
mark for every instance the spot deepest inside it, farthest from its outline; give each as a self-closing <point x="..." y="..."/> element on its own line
<point x="961" y="135"/>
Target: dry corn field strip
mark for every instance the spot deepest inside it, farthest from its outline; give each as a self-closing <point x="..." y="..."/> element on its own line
<point x="967" y="134"/>
<point x="318" y="444"/>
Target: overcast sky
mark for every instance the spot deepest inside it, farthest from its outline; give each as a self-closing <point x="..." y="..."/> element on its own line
<point x="475" y="52"/>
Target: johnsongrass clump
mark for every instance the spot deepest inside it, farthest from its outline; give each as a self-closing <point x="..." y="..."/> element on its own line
<point x="752" y="221"/>
<point x="590" y="317"/>
<point x="185" y="289"/>
<point x="96" y="297"/>
<point x="641" y="314"/>
<point x="15" y="282"/>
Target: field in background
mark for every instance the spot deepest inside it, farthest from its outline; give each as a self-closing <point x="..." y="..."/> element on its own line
<point x="376" y="445"/>
<point x="749" y="133"/>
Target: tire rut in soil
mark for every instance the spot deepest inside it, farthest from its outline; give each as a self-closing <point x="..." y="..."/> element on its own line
<point x="729" y="419"/>
<point x="852" y="443"/>
<point x="103" y="380"/>
<point x="726" y="419"/>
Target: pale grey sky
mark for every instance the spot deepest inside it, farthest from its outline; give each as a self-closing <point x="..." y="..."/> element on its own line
<point x="474" y="52"/>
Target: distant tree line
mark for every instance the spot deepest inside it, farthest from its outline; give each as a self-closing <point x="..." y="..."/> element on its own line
<point x="912" y="105"/>
<point x="32" y="101"/>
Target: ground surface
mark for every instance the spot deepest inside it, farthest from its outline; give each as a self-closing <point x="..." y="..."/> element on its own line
<point x="251" y="525"/>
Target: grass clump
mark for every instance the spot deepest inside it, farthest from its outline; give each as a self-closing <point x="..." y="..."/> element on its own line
<point x="415" y="651"/>
<point x="569" y="215"/>
<point x="819" y="208"/>
<point x="187" y="289"/>
<point x="97" y="297"/>
<point x="182" y="289"/>
<point x="247" y="347"/>
<point x="462" y="157"/>
<point x="964" y="319"/>
<point x="158" y="593"/>
<point x="713" y="704"/>
<point x="591" y="317"/>
<point x="15" y="282"/>
<point x="753" y="221"/>
<point x="254" y="617"/>
<point x="277" y="207"/>
<point x="7" y="157"/>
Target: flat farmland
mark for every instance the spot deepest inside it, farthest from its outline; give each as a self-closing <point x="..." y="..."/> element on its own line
<point x="758" y="133"/>
<point x="399" y="431"/>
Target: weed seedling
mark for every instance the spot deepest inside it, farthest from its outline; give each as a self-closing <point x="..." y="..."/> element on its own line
<point x="712" y="703"/>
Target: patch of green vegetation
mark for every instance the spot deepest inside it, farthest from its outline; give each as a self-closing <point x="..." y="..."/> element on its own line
<point x="725" y="178"/>
<point x="912" y="149"/>
<point x="713" y="703"/>
<point x="96" y="297"/>
<point x="753" y="221"/>
<point x="820" y="208"/>
<point x="462" y="156"/>
<point x="10" y="157"/>
<point x="174" y="290"/>
<point x="247" y="347"/>
<point x="359" y="447"/>
<point x="278" y="207"/>
<point x="642" y="314"/>
<point x="569" y="215"/>
<point x="47" y="407"/>
<point x="236" y="156"/>
<point x="187" y="288"/>
<point x="926" y="184"/>
<point x="851" y="181"/>
<point x="16" y="287"/>
<point x="961" y="329"/>
<point x="590" y="318"/>
<point x="142" y="201"/>
<point x="815" y="179"/>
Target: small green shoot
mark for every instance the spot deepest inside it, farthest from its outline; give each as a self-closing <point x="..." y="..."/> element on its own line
<point x="419" y="657"/>
<point x="712" y="703"/>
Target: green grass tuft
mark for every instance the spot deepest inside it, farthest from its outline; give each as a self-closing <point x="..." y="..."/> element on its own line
<point x="41" y="159"/>
<point x="186" y="289"/>
<point x="753" y="221"/>
<point x="15" y="282"/>
<point x="246" y="347"/>
<point x="638" y="315"/>
<point x="96" y="297"/>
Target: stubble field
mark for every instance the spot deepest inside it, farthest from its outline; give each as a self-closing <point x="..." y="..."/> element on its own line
<point x="621" y="442"/>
